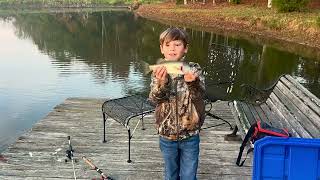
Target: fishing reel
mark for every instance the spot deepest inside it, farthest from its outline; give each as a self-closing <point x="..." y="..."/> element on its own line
<point x="69" y="153"/>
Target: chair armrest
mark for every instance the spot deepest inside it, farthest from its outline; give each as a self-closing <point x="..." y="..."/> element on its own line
<point x="254" y="95"/>
<point x="257" y="96"/>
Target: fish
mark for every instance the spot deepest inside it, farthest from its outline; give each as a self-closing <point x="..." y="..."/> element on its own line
<point x="172" y="67"/>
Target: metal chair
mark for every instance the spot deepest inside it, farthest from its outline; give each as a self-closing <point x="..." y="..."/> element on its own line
<point x="123" y="110"/>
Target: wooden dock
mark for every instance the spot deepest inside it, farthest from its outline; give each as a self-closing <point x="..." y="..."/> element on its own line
<point x="40" y="153"/>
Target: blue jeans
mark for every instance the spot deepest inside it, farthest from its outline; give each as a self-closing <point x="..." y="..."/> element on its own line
<point x="180" y="158"/>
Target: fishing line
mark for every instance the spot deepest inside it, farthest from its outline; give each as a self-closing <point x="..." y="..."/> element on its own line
<point x="69" y="154"/>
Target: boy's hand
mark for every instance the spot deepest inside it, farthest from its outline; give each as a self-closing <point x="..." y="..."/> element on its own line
<point x="161" y="74"/>
<point x="190" y="76"/>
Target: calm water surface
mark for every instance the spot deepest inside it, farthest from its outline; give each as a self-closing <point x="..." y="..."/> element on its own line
<point x="46" y="58"/>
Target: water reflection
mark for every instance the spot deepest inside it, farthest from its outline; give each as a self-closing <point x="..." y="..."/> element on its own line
<point x="46" y="58"/>
<point x="106" y="44"/>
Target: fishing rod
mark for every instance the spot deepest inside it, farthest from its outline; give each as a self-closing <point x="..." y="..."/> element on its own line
<point x="69" y="154"/>
<point x="94" y="167"/>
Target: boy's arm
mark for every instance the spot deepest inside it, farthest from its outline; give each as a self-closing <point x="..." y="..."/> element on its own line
<point x="159" y="91"/>
<point x="197" y="87"/>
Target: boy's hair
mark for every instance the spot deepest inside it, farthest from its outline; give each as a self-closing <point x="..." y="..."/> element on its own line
<point x="172" y="34"/>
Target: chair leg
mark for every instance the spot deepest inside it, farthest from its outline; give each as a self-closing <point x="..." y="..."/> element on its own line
<point x="129" y="136"/>
<point x="104" y="128"/>
<point x="234" y="132"/>
<point x="233" y="136"/>
<point x="143" y="128"/>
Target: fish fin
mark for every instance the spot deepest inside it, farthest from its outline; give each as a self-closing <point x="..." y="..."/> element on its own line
<point x="160" y="60"/>
<point x="146" y="68"/>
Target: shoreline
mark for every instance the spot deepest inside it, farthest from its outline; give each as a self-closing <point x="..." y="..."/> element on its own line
<point x="297" y="42"/>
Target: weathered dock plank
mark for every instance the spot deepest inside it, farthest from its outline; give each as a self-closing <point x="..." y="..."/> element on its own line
<point x="40" y="153"/>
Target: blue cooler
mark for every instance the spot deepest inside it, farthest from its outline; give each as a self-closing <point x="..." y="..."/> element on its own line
<point x="286" y="158"/>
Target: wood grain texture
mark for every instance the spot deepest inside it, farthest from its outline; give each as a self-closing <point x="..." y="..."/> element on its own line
<point x="40" y="153"/>
<point x="289" y="106"/>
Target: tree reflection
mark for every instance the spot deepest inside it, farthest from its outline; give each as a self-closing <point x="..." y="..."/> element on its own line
<point x="112" y="44"/>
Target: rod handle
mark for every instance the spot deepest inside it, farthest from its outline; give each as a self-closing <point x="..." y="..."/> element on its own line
<point x="88" y="162"/>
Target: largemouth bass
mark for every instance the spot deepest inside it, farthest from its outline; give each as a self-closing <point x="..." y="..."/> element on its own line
<point x="172" y="67"/>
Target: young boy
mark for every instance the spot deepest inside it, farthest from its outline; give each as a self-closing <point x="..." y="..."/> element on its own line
<point x="180" y="109"/>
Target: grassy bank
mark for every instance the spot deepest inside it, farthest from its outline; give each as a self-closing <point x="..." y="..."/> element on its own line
<point x="301" y="28"/>
<point x="258" y="16"/>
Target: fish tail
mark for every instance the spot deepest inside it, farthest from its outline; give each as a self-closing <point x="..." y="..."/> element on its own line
<point x="146" y="68"/>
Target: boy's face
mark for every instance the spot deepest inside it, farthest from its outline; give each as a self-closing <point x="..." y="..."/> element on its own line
<point x="173" y="50"/>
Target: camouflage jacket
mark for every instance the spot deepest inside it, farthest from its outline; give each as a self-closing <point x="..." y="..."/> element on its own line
<point x="180" y="108"/>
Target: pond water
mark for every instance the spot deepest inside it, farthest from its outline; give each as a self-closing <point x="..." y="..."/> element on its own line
<point x="48" y="57"/>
